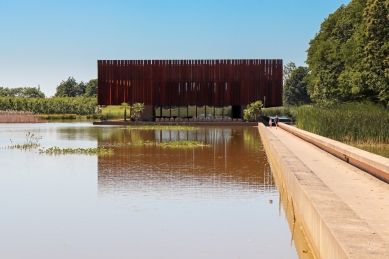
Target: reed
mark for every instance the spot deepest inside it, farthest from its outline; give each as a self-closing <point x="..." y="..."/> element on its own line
<point x="9" y="116"/>
<point x="358" y="123"/>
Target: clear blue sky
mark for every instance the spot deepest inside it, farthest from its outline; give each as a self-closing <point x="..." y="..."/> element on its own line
<point x="45" y="42"/>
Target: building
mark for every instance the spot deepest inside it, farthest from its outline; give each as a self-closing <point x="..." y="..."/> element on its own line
<point x="187" y="88"/>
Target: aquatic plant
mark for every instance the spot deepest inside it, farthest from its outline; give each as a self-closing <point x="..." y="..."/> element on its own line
<point x="178" y="143"/>
<point x="87" y="151"/>
<point x="31" y="142"/>
<point x="160" y="127"/>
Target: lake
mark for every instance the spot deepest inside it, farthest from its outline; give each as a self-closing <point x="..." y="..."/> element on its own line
<point x="143" y="201"/>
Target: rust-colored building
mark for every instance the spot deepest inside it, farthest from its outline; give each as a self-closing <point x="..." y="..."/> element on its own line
<point x="185" y="88"/>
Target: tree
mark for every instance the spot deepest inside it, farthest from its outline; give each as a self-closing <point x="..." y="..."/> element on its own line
<point x="376" y="15"/>
<point x="126" y="107"/>
<point x="288" y="68"/>
<point x="295" y="88"/>
<point x="137" y="109"/>
<point x="70" y="88"/>
<point x="91" y="88"/>
<point x="252" y="111"/>
<point x="29" y="92"/>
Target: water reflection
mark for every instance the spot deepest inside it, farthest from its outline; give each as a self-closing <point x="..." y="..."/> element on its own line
<point x="234" y="163"/>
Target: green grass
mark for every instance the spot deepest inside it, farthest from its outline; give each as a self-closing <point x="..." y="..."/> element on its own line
<point x="113" y="112"/>
<point x="357" y="123"/>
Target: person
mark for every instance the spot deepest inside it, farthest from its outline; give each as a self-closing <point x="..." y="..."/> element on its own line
<point x="270" y="122"/>
<point x="276" y="120"/>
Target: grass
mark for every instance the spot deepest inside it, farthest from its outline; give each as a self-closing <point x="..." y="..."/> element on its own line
<point x="171" y="144"/>
<point x="160" y="127"/>
<point x="357" y="123"/>
<point x="113" y="112"/>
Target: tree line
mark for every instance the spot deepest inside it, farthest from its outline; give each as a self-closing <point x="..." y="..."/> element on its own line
<point x="348" y="59"/>
<point x="70" y="98"/>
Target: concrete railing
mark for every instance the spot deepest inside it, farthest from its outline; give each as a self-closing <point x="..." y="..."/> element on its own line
<point x="373" y="164"/>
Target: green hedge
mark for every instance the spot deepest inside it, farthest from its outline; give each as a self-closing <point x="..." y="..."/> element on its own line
<point x="54" y="105"/>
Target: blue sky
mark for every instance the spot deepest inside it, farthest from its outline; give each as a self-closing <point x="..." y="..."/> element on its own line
<point x="45" y="42"/>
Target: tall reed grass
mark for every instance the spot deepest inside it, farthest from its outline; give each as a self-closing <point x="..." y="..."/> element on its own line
<point x="9" y="116"/>
<point x="363" y="123"/>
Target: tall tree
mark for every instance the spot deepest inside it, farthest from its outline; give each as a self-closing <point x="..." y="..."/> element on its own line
<point x="295" y="88"/>
<point x="376" y="15"/>
<point x="288" y="68"/>
<point x="70" y="88"/>
<point x="91" y="88"/>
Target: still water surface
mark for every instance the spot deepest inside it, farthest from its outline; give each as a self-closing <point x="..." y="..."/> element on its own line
<point x="141" y="202"/>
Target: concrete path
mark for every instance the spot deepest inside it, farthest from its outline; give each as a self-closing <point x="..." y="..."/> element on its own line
<point x="367" y="196"/>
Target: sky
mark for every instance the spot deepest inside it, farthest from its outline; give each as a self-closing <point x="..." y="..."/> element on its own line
<point x="44" y="42"/>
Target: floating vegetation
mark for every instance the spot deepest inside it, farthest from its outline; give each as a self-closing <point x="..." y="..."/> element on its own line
<point x="87" y="151"/>
<point x="160" y="127"/>
<point x="31" y="142"/>
<point x="179" y="143"/>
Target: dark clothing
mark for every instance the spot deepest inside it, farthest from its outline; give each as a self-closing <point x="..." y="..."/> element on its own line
<point x="276" y="119"/>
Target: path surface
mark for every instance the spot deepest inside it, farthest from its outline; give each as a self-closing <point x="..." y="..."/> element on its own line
<point x="367" y="196"/>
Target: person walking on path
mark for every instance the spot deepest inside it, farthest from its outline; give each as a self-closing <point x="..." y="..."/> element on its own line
<point x="270" y="122"/>
<point x="276" y="120"/>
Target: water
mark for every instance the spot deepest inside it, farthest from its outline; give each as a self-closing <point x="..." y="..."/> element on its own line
<point x="142" y="202"/>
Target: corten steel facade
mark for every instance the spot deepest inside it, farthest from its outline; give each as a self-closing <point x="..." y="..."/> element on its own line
<point x="234" y="82"/>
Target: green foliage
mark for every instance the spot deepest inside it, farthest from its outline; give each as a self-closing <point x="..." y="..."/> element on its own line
<point x="70" y="88"/>
<point x="91" y="88"/>
<point x="336" y="57"/>
<point x="288" y="69"/>
<point x="295" y="88"/>
<point x="126" y="107"/>
<point x="282" y="111"/>
<point x="137" y="109"/>
<point x="252" y="111"/>
<point x="376" y="15"/>
<point x="347" y="122"/>
<point x="28" y="92"/>
<point x="55" y="105"/>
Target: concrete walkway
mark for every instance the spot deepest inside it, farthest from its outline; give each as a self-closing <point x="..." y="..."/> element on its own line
<point x="365" y="195"/>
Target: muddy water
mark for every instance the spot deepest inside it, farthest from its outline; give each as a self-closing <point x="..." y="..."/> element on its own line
<point x="142" y="202"/>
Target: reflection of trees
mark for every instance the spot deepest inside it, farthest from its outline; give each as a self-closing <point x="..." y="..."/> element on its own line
<point x="234" y="159"/>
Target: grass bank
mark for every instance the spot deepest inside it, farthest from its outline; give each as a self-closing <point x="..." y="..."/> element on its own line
<point x="358" y="123"/>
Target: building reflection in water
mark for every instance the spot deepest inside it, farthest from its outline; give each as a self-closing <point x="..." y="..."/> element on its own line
<point x="234" y="166"/>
